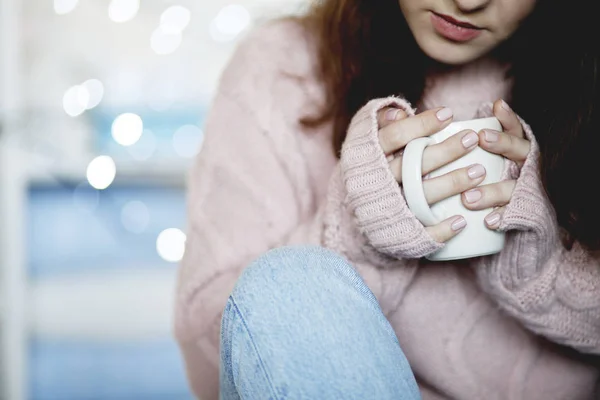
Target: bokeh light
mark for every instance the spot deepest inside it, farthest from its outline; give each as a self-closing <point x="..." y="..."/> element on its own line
<point x="230" y="22"/>
<point x="75" y="100"/>
<point x="123" y="10"/>
<point x="62" y="7"/>
<point x="95" y="91"/>
<point x="170" y="244"/>
<point x="187" y="141"/>
<point x="127" y="129"/>
<point x="174" y="20"/>
<point x="163" y="43"/>
<point x="101" y="172"/>
<point x="135" y="216"/>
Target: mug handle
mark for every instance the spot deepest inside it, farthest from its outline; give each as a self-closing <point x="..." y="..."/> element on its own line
<point x="412" y="180"/>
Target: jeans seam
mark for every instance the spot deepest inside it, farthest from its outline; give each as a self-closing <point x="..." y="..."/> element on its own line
<point x="260" y="359"/>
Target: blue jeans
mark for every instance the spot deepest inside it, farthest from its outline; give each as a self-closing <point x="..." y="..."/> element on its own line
<point x="302" y="324"/>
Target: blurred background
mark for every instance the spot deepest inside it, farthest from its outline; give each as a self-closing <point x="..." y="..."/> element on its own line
<point x="102" y="104"/>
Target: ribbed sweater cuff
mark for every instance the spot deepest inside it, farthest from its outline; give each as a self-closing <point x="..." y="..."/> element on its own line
<point x="374" y="195"/>
<point x="529" y="208"/>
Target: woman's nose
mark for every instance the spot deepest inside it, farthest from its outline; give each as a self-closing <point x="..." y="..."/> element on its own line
<point x="469" y="6"/>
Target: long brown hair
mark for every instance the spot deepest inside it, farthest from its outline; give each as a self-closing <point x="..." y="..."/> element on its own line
<point x="554" y="58"/>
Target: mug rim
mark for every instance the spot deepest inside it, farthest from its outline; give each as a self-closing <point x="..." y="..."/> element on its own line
<point x="446" y="134"/>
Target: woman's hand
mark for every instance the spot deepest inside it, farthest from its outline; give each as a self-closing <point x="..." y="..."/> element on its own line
<point x="512" y="144"/>
<point x="396" y="129"/>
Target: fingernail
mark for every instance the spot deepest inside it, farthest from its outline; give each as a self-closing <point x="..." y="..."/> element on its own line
<point x="390" y="115"/>
<point x="505" y="106"/>
<point x="473" y="195"/>
<point x="459" y="223"/>
<point x="444" y="114"/>
<point x="476" y="171"/>
<point x="470" y="140"/>
<point x="492" y="219"/>
<point x="490" y="136"/>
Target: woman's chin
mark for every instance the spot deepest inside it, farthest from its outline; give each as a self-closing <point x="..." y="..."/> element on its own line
<point x="449" y="53"/>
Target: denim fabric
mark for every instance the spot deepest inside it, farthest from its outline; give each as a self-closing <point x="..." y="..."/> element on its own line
<point x="302" y="324"/>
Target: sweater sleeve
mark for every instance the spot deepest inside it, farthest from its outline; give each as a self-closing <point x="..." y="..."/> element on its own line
<point x="250" y="191"/>
<point x="551" y="291"/>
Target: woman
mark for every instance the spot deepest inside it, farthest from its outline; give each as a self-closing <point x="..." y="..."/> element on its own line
<point x="303" y="146"/>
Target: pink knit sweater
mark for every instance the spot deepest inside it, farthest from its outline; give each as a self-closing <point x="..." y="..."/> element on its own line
<point x="480" y="329"/>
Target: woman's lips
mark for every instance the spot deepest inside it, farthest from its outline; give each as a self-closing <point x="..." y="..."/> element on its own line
<point x="454" y="30"/>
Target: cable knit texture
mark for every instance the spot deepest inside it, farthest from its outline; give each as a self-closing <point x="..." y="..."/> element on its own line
<point x="554" y="292"/>
<point x="477" y="329"/>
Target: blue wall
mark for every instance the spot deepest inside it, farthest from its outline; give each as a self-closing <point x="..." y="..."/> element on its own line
<point x="74" y="230"/>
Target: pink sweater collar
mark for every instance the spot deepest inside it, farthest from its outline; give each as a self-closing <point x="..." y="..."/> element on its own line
<point x="468" y="90"/>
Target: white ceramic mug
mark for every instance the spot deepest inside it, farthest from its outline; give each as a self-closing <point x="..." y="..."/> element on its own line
<point x="476" y="239"/>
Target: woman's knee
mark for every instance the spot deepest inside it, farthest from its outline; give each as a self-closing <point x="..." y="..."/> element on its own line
<point x="295" y="305"/>
<point x="288" y="271"/>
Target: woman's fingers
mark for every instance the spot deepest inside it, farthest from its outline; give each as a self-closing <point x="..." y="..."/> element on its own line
<point x="493" y="219"/>
<point x="451" y="149"/>
<point x="452" y="183"/>
<point x="396" y="135"/>
<point x="487" y="196"/>
<point x="508" y="119"/>
<point x="490" y="196"/>
<point x="389" y="115"/>
<point x="440" y="154"/>
<point x="510" y="146"/>
<point x="447" y="229"/>
<point x="496" y="195"/>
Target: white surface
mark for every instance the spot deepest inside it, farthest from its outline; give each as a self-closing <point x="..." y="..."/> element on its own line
<point x="12" y="275"/>
<point x="476" y="239"/>
<point x="12" y="200"/>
